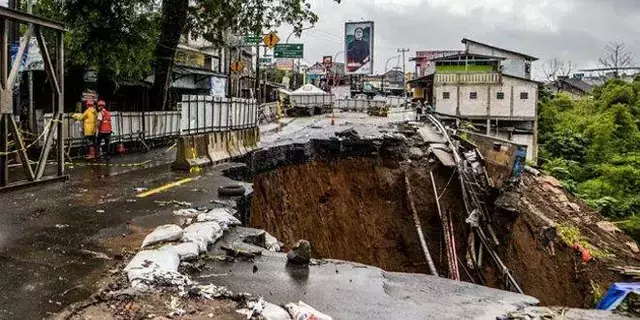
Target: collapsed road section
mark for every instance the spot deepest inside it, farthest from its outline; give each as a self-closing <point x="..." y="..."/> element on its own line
<point x="401" y="201"/>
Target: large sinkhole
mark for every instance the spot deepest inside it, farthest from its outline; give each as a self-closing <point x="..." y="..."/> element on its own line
<point x="352" y="204"/>
<point x="357" y="209"/>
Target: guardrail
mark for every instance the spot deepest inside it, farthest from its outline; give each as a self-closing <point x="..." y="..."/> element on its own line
<point x="197" y="115"/>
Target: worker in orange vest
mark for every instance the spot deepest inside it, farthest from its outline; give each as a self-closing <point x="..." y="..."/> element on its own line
<point x="104" y="128"/>
<point x="89" y="117"/>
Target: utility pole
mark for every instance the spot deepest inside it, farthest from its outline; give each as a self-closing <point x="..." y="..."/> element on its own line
<point x="404" y="71"/>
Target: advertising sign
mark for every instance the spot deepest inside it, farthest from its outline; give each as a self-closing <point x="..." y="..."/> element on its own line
<point x="327" y="61"/>
<point x="358" y="47"/>
<point x="218" y="86"/>
<point x="425" y="65"/>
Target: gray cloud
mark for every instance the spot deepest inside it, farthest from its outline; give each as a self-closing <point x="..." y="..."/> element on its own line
<point x="575" y="30"/>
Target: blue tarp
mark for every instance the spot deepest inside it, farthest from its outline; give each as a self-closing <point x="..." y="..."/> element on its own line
<point x="616" y="295"/>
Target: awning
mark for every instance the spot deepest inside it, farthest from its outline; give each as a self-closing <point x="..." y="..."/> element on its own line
<point x="186" y="70"/>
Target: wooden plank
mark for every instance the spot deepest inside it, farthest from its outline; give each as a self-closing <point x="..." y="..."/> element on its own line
<point x="22" y="152"/>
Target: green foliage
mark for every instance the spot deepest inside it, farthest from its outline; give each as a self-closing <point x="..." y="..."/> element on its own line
<point x="115" y="38"/>
<point x="632" y="227"/>
<point x="593" y="146"/>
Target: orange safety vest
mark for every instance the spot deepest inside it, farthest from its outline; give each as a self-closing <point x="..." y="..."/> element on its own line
<point x="105" y="124"/>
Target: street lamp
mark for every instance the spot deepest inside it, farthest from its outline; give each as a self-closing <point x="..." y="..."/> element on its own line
<point x="385" y="70"/>
<point x="295" y="76"/>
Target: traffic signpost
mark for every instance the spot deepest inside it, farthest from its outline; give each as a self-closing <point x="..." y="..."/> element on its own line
<point x="237" y="66"/>
<point x="271" y="40"/>
<point x="289" y="50"/>
<point x="252" y="39"/>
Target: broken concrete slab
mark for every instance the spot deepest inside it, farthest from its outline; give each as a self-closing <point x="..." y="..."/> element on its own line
<point x="300" y="254"/>
<point x="415" y="153"/>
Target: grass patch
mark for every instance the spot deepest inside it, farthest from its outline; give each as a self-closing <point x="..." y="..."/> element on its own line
<point x="596" y="292"/>
<point x="571" y="235"/>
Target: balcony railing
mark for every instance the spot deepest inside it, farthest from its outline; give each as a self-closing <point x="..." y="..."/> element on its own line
<point x="479" y="78"/>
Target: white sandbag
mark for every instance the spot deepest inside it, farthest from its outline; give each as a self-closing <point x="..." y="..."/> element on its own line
<point x="189" y="213"/>
<point x="223" y="216"/>
<point x="154" y="266"/>
<point x="186" y="251"/>
<point x="202" y="233"/>
<point x="166" y="233"/>
<point x="272" y="244"/>
<point x="274" y="312"/>
<point x="302" y="311"/>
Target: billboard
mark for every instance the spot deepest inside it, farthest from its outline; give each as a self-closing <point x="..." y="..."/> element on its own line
<point x="358" y="47"/>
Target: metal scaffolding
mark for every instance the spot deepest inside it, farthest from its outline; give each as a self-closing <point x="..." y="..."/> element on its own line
<point x="8" y="74"/>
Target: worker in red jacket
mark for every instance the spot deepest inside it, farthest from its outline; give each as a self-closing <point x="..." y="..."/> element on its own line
<point x="104" y="128"/>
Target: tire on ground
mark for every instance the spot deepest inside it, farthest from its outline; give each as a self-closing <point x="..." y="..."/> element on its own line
<point x="231" y="191"/>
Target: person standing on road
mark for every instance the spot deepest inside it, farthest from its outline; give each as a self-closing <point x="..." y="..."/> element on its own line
<point x="90" y="118"/>
<point x="104" y="128"/>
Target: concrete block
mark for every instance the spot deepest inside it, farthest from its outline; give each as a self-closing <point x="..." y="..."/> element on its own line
<point x="192" y="152"/>
<point x="216" y="147"/>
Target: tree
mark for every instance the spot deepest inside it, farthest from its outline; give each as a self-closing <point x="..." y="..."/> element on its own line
<point x="115" y="38"/>
<point x="555" y="68"/>
<point x="616" y="58"/>
<point x="216" y="21"/>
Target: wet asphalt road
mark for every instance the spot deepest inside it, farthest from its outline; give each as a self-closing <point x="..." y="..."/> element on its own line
<point x="45" y="231"/>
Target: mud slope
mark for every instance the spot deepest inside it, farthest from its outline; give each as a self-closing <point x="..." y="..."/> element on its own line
<point x="353" y="209"/>
<point x="562" y="279"/>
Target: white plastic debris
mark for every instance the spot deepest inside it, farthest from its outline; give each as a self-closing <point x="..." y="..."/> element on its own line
<point x="151" y="267"/>
<point x="165" y="233"/>
<point x="274" y="312"/>
<point x="223" y="216"/>
<point x="271" y="242"/>
<point x="211" y="291"/>
<point x="202" y="233"/>
<point x="189" y="213"/>
<point x="302" y="311"/>
<point x="186" y="251"/>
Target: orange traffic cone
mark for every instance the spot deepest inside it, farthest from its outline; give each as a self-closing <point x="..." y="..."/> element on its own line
<point x="120" y="148"/>
<point x="92" y="153"/>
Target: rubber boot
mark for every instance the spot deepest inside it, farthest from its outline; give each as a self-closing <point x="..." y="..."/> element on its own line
<point x="92" y="153"/>
<point x="120" y="148"/>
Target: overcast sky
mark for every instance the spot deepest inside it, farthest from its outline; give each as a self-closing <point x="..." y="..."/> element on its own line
<point x="575" y="30"/>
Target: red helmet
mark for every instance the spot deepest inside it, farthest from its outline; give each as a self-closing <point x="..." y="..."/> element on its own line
<point x="101" y="103"/>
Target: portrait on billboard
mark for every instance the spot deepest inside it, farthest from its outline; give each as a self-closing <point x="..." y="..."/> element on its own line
<point x="359" y="47"/>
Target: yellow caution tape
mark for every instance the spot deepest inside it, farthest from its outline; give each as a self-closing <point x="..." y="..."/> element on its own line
<point x="164" y="187"/>
<point x="44" y="132"/>
<point x="98" y="164"/>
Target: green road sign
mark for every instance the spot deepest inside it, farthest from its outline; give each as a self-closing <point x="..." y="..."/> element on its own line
<point x="289" y="50"/>
<point x="265" y="60"/>
<point x="252" y="39"/>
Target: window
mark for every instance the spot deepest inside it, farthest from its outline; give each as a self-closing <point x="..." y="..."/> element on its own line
<point x="524" y="95"/>
<point x="500" y="96"/>
<point x="446" y="95"/>
<point x="473" y="95"/>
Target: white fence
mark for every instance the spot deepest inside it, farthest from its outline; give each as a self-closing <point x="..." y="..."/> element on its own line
<point x="205" y="114"/>
<point x="312" y="101"/>
<point x="394" y="101"/>
<point x="198" y="114"/>
<point x="358" y="104"/>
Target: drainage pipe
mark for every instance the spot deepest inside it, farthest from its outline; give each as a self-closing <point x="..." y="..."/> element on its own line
<point x="416" y="220"/>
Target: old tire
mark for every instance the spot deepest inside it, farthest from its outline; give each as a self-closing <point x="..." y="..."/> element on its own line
<point x="231" y="191"/>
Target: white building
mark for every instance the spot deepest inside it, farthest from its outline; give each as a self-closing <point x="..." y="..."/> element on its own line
<point x="489" y="87"/>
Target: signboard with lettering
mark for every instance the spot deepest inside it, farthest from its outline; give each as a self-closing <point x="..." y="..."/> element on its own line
<point x="289" y="50"/>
